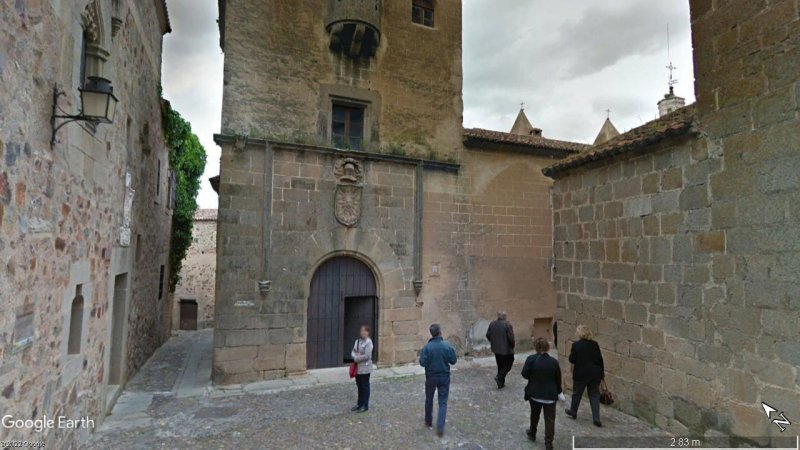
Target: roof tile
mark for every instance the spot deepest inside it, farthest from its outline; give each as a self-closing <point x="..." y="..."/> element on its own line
<point x="677" y="123"/>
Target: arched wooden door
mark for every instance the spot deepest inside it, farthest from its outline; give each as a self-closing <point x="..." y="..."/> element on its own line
<point x="343" y="296"/>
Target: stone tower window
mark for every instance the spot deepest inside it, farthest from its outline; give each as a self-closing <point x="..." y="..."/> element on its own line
<point x="347" y="126"/>
<point x="76" y="322"/>
<point x="422" y="12"/>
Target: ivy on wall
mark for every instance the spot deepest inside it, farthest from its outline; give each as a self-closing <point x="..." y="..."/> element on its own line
<point x="187" y="158"/>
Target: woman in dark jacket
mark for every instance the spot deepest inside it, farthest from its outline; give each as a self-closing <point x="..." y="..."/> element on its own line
<point x="544" y="386"/>
<point x="587" y="372"/>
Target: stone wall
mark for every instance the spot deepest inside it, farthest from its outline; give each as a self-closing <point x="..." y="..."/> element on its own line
<point x="488" y="233"/>
<point x="682" y="256"/>
<point x="199" y="271"/>
<point x="61" y="211"/>
<point x="486" y="241"/>
<point x="280" y="76"/>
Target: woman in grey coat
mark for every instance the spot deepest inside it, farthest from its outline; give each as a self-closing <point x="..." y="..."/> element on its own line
<point x="362" y="355"/>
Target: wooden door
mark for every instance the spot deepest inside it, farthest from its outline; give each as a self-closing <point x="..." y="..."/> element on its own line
<point x="336" y="280"/>
<point x="188" y="315"/>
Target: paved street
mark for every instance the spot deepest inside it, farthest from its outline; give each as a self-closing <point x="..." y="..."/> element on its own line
<point x="169" y="404"/>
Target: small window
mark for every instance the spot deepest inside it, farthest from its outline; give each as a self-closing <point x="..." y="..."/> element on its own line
<point x="422" y="12"/>
<point x="347" y="126"/>
<point x="161" y="284"/>
<point x="171" y="192"/>
<point x="76" y="322"/>
<point x="158" y="182"/>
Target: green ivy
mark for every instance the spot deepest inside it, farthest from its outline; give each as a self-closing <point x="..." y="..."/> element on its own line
<point x="187" y="158"/>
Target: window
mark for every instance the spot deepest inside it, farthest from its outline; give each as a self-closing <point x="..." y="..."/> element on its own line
<point x="422" y="12"/>
<point x="161" y="284"/>
<point x="158" y="182"/>
<point x="76" y="322"/>
<point x="347" y="126"/>
<point x="171" y="192"/>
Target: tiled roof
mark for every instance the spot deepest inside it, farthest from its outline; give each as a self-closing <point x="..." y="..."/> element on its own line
<point x="532" y="142"/>
<point x="677" y="123"/>
<point x="205" y="214"/>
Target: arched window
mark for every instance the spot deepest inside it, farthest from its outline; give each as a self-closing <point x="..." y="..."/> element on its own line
<point x="422" y="12"/>
<point x="76" y="322"/>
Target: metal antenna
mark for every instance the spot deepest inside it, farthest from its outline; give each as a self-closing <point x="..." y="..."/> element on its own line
<point x="671" y="67"/>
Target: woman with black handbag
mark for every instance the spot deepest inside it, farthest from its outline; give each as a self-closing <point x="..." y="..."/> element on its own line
<point x="587" y="373"/>
<point x="362" y="359"/>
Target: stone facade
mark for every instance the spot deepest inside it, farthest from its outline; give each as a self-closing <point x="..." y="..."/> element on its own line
<point x="678" y="242"/>
<point x="84" y="223"/>
<point x="453" y="226"/>
<point x="198" y="273"/>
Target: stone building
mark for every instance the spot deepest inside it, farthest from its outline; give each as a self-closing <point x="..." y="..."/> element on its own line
<point x="84" y="219"/>
<point x="679" y="241"/>
<point x="349" y="192"/>
<point x="193" y="300"/>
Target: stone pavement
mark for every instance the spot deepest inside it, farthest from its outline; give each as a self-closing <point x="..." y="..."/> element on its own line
<point x="170" y="404"/>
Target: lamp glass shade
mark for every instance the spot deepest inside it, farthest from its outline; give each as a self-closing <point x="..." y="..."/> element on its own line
<point x="98" y="101"/>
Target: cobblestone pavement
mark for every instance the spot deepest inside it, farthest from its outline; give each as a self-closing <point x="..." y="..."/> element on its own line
<point x="317" y="416"/>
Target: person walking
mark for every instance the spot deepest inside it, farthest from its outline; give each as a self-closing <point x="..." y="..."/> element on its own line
<point x="501" y="336"/>
<point x="436" y="357"/>
<point x="587" y="373"/>
<point x="544" y="388"/>
<point x="362" y="356"/>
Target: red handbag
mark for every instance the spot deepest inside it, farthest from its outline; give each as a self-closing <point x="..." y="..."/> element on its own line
<point x="353" y="370"/>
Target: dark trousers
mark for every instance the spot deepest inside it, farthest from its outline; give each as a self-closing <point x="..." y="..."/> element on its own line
<point x="504" y="365"/>
<point x="594" y="396"/>
<point x="442" y="385"/>
<point x="362" y="383"/>
<point x="549" y="421"/>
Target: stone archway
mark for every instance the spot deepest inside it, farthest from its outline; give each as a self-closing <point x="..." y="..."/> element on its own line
<point x="343" y="296"/>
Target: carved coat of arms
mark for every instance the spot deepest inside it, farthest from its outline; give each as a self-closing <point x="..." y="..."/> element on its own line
<point x="349" y="186"/>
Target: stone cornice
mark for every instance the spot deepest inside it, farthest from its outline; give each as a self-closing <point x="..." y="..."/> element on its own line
<point x="427" y="164"/>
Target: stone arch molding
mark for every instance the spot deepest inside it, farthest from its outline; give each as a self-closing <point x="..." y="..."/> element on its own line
<point x="390" y="275"/>
<point x="95" y="23"/>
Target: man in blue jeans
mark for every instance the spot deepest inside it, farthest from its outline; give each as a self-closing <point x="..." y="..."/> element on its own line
<point x="436" y="358"/>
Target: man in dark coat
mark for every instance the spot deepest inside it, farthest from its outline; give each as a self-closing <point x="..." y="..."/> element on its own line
<point x="501" y="335"/>
<point x="544" y="387"/>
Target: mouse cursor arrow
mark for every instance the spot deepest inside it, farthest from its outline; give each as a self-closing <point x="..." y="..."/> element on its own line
<point x="768" y="410"/>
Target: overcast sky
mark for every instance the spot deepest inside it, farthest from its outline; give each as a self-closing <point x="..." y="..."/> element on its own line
<point x="568" y="61"/>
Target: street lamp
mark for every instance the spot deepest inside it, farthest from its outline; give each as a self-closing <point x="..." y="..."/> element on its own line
<point x="98" y="105"/>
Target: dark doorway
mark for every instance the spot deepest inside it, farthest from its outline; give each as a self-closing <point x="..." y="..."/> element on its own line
<point x="357" y="311"/>
<point x="343" y="296"/>
<point x="119" y="317"/>
<point x="188" y="315"/>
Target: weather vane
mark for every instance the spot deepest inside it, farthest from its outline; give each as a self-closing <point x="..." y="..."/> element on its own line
<point x="521" y="105"/>
<point x="608" y="114"/>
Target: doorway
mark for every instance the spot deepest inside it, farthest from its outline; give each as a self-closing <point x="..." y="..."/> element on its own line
<point x="358" y="311"/>
<point x="117" y="363"/>
<point x="188" y="314"/>
<point x="343" y="296"/>
<point x="541" y="328"/>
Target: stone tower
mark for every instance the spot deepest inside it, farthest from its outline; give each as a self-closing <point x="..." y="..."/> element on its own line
<point x="390" y="81"/>
<point x="607" y="132"/>
<point x="350" y="195"/>
<point x="670" y="103"/>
